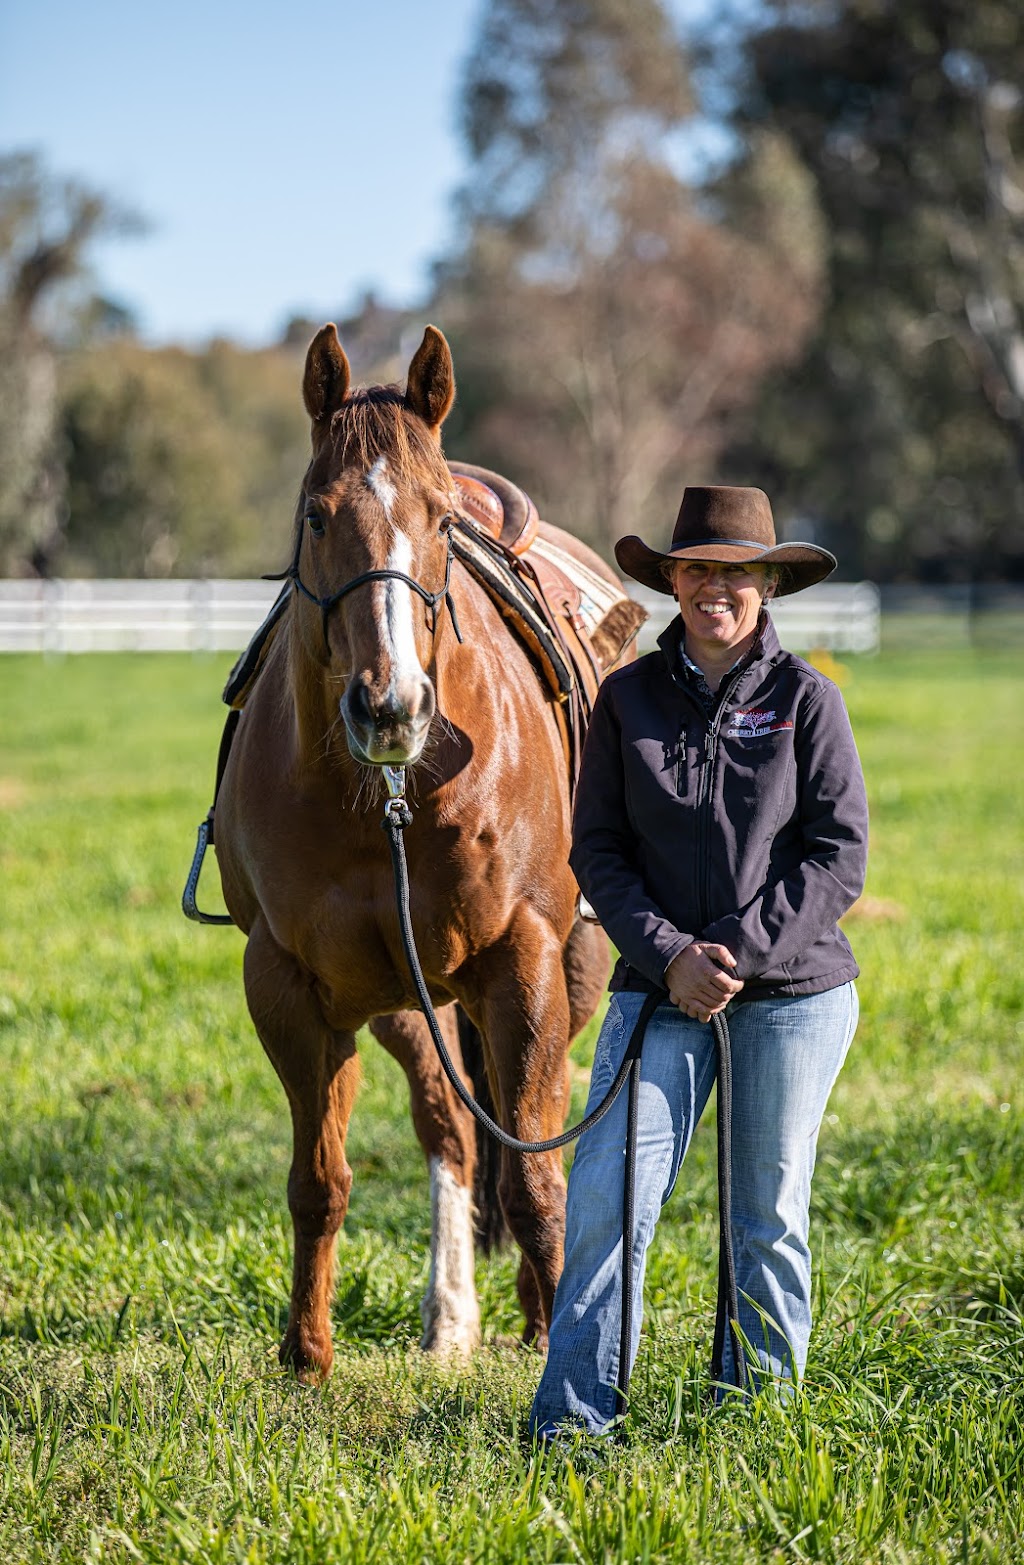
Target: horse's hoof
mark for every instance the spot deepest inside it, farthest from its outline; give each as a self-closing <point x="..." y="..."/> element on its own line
<point x="451" y="1339"/>
<point x="451" y="1325"/>
<point x="311" y="1365"/>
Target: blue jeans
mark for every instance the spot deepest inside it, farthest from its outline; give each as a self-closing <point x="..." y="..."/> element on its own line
<point x="786" y="1055"/>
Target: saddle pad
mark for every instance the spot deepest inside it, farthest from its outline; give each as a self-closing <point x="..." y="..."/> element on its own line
<point x="605" y="618"/>
<point x="595" y="595"/>
<point x="243" y="675"/>
<point x="491" y="568"/>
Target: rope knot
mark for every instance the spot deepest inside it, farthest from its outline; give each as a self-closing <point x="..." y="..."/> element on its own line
<point x="396" y="813"/>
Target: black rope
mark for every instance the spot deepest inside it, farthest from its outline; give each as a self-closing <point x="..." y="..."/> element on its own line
<point x="394" y="823"/>
<point x="628" y="1235"/>
<point x="397" y="817"/>
<point x="727" y="1309"/>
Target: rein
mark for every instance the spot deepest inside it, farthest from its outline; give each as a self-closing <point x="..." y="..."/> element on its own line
<point x="326" y="604"/>
<point x="397" y="816"/>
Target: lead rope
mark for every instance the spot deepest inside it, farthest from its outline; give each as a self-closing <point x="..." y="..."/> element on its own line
<point x="727" y="1309"/>
<point x="397" y="816"/>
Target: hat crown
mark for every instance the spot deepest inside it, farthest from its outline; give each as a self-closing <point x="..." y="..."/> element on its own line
<point x="723" y="513"/>
<point x="731" y="526"/>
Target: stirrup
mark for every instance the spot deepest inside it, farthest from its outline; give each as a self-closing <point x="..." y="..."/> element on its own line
<point x="188" y="896"/>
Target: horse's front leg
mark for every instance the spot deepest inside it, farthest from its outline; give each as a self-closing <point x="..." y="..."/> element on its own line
<point x="450" y="1312"/>
<point x="524" y="1011"/>
<point x="319" y="1070"/>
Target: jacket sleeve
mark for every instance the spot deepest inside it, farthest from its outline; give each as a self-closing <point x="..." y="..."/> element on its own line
<point x="604" y="854"/>
<point x="790" y="912"/>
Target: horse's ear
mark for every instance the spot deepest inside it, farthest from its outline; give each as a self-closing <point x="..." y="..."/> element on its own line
<point x="431" y="388"/>
<point x="327" y="376"/>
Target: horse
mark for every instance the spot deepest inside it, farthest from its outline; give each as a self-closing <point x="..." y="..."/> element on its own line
<point x="370" y="669"/>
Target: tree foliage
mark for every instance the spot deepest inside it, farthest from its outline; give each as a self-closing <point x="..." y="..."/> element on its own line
<point x="903" y="427"/>
<point x="181" y="463"/>
<point x="47" y="227"/>
<point x="606" y="323"/>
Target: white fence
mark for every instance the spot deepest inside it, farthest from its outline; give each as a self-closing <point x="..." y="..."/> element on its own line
<point x="220" y="616"/>
<point x="837" y="616"/>
<point x="131" y="616"/>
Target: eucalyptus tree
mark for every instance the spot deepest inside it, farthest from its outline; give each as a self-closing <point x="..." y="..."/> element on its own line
<point x="903" y="427"/>
<point x="605" y="319"/>
<point x="48" y="227"/>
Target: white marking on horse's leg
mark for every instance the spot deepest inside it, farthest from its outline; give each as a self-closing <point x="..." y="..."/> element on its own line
<point x="450" y="1312"/>
<point x="379" y="481"/>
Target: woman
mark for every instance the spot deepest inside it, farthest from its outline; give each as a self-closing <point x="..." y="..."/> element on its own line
<point x="720" y="833"/>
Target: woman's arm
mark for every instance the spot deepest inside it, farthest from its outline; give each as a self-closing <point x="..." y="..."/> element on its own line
<point x="789" y="914"/>
<point x="603" y="856"/>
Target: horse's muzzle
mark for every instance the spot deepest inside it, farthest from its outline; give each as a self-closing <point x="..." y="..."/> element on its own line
<point x="390" y="730"/>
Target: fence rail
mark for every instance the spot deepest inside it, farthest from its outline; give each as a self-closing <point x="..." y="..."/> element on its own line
<point x="131" y="616"/>
<point x="221" y="615"/>
<point x="836" y="616"/>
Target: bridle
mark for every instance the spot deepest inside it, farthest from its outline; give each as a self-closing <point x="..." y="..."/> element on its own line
<point x="326" y="604"/>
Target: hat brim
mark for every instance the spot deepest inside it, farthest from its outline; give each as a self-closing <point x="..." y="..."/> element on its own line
<point x="805" y="563"/>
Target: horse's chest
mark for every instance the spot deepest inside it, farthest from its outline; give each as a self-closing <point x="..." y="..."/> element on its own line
<point x="350" y="939"/>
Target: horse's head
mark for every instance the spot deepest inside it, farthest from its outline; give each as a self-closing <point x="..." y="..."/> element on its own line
<point x="372" y="552"/>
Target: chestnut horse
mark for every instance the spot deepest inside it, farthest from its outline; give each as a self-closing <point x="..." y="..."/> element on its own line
<point x="376" y="676"/>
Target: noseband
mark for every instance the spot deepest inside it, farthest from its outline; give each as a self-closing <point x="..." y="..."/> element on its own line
<point x="325" y="605"/>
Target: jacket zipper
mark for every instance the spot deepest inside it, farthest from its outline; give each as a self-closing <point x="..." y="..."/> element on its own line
<point x="704" y="802"/>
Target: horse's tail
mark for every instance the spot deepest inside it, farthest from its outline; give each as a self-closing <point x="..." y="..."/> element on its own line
<point x="490" y="1227"/>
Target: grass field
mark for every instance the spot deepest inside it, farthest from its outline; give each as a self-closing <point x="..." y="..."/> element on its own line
<point x="145" y="1250"/>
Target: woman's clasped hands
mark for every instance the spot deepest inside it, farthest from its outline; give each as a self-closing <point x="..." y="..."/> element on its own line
<point x="697" y="980"/>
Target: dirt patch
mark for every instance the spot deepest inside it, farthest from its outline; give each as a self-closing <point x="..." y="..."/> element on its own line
<point x="876" y="910"/>
<point x="13" y="793"/>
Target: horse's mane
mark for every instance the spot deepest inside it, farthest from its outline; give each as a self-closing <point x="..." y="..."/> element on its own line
<point x="376" y="421"/>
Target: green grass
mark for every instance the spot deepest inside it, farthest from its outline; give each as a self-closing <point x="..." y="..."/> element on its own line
<point x="145" y="1247"/>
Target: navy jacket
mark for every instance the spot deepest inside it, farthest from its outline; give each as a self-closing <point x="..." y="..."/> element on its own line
<point x="749" y="829"/>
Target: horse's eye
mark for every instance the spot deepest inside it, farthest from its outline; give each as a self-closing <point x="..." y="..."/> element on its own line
<point x="315" y="522"/>
<point x="445" y="524"/>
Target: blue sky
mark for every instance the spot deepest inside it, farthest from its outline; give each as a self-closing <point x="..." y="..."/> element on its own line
<point x="287" y="156"/>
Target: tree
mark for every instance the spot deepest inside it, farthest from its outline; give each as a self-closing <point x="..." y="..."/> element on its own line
<point x="605" y="322"/>
<point x="46" y="229"/>
<point x="902" y="429"/>
<point x="181" y="463"/>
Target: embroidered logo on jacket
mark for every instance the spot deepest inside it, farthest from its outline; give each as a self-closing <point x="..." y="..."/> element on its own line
<point x="753" y="722"/>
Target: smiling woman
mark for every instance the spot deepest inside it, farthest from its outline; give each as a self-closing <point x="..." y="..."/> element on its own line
<point x="720" y="833"/>
<point x="720" y="606"/>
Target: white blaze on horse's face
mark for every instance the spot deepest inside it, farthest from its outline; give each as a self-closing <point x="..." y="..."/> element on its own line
<point x="378" y="481"/>
<point x="388" y="707"/>
<point x="393" y="612"/>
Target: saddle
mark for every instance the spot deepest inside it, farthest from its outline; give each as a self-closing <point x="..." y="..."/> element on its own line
<point x="575" y="624"/>
<point x="605" y="618"/>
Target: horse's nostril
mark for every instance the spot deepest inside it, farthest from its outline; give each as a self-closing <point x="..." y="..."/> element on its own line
<point x="385" y="711"/>
<point x="357" y="699"/>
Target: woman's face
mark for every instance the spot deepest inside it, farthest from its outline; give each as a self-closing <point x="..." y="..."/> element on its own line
<point x="720" y="603"/>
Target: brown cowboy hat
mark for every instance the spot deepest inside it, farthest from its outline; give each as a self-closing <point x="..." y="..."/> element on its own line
<point x="719" y="522"/>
